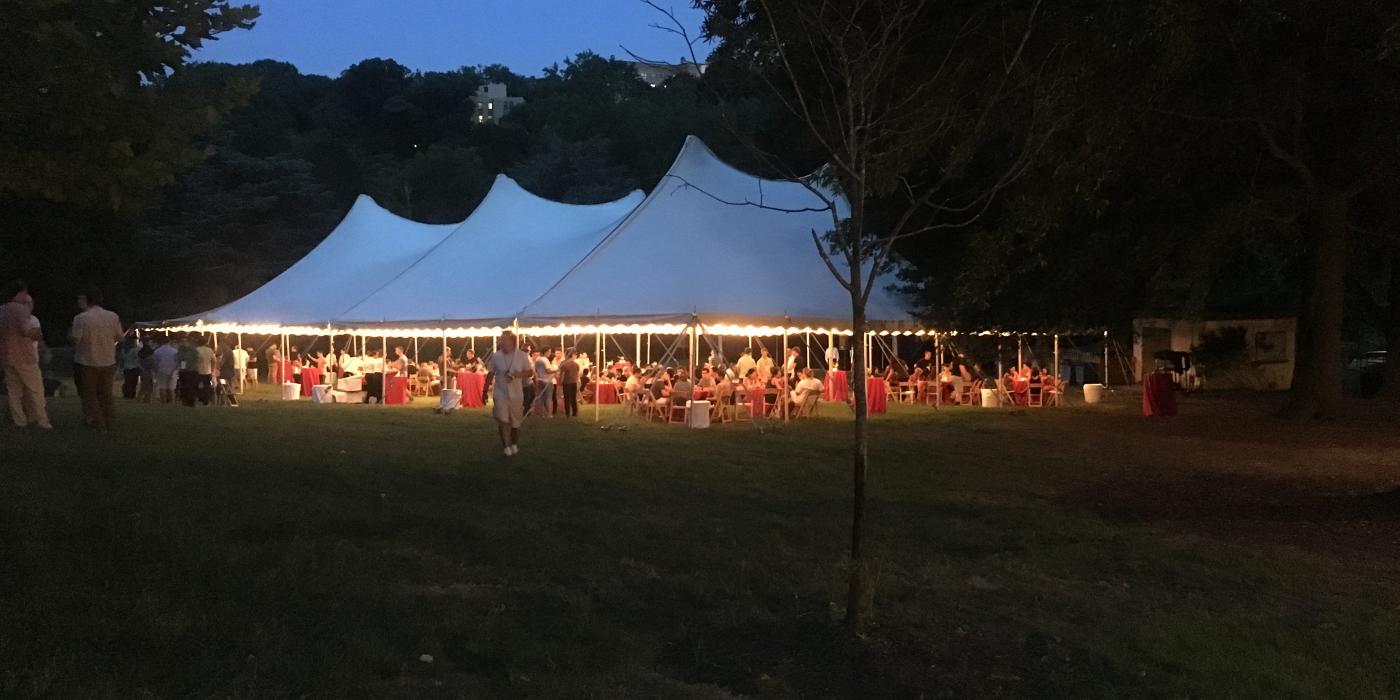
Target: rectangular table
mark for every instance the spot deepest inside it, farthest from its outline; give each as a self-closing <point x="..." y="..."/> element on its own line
<point x="310" y="378"/>
<point x="395" y="390"/>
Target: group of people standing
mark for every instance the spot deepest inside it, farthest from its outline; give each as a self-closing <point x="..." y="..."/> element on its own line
<point x="94" y="334"/>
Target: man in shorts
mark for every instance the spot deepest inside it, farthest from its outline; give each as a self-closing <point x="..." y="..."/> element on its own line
<point x="507" y="370"/>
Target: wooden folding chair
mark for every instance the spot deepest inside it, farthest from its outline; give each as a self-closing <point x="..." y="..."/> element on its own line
<point x="808" y="407"/>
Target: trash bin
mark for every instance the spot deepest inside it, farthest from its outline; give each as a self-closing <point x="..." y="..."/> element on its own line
<point x="990" y="398"/>
<point x="699" y="414"/>
<point x="1093" y="393"/>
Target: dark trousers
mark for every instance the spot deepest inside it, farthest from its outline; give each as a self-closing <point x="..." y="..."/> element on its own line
<point x="571" y="400"/>
<point x="148" y="385"/>
<point x="95" y="388"/>
<point x="186" y="387"/>
<point x="374" y="386"/>
<point x="130" y="378"/>
<point x="204" y="388"/>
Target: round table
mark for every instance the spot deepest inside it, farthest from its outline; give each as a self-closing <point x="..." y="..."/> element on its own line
<point x="834" y="386"/>
<point x="607" y="392"/>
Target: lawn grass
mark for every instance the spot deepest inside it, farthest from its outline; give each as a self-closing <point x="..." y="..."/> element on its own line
<point x="287" y="549"/>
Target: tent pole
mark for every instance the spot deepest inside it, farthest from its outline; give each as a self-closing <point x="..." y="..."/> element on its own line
<point x="637" y="356"/>
<point x="1056" y="374"/>
<point x="1020" y="356"/>
<point x="782" y="395"/>
<point x="648" y="360"/>
<point x="809" y="348"/>
<point x="415" y="349"/>
<point x="1105" y="359"/>
<point x="597" y="376"/>
<point x="1000" y="370"/>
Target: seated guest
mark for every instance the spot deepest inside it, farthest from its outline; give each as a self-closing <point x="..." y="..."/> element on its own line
<point x="949" y="384"/>
<point x="681" y="389"/>
<point x="399" y="363"/>
<point x="751" y="379"/>
<point x="471" y="362"/>
<point x="707" y="379"/>
<point x="808" y="386"/>
<point x="634" y="382"/>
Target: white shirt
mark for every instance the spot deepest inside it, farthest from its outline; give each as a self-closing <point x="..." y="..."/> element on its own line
<point x="499" y="365"/>
<point x="790" y="365"/>
<point x="95" y="335"/>
<point x="543" y="370"/>
<point x="240" y="358"/>
<point x="165" y="356"/>
<point x="809" y="385"/>
<point x="833" y="356"/>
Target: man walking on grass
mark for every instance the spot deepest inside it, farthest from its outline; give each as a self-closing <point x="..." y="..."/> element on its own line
<point x="96" y="332"/>
<point x="507" y="371"/>
<point x="19" y="358"/>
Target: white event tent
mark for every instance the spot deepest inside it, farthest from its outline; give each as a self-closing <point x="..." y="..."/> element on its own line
<point x="365" y="249"/>
<point x="512" y="247"/>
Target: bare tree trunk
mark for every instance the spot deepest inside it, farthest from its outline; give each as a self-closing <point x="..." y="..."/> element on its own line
<point x="1390" y="380"/>
<point x="1317" y="372"/>
<point x="858" y="598"/>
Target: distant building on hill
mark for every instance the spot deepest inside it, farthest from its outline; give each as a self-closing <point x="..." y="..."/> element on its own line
<point x="656" y="74"/>
<point x="493" y="103"/>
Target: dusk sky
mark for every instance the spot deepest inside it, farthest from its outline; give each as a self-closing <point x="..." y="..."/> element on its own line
<point x="327" y="36"/>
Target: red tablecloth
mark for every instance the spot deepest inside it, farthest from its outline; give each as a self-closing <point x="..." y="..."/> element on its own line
<point x="834" y="386"/>
<point x="607" y="392"/>
<point x="310" y="376"/>
<point x="876" y="395"/>
<point x="395" y="389"/>
<point x="756" y="401"/>
<point x="1158" y="395"/>
<point x="1021" y="392"/>
<point x="471" y="385"/>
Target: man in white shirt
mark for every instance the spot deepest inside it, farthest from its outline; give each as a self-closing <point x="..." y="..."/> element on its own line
<point x="790" y="364"/>
<point x="745" y="363"/>
<point x="833" y="356"/>
<point x="95" y="334"/>
<point x="544" y="384"/>
<point x="240" y="368"/>
<point x="167" y="369"/>
<point x="507" y="369"/>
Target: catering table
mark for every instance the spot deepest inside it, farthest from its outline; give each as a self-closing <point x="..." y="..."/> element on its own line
<point x="395" y="389"/>
<point x="876" y="395"/>
<point x="607" y="392"/>
<point x="471" y="384"/>
<point x="1158" y="395"/>
<point x="834" y="385"/>
<point x="310" y="378"/>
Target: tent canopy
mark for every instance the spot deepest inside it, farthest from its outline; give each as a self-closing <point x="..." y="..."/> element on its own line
<point x="367" y="248"/>
<point x="709" y="242"/>
<point x="698" y="246"/>
<point x="511" y="249"/>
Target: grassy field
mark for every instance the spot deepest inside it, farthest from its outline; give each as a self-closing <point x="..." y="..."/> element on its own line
<point x="287" y="549"/>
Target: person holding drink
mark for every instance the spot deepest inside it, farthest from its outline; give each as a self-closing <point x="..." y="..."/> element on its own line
<point x="507" y="370"/>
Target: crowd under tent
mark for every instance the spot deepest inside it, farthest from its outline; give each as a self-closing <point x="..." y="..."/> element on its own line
<point x="711" y="253"/>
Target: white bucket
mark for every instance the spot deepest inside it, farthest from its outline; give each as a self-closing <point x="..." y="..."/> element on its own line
<point x="990" y="398"/>
<point x="291" y="391"/>
<point x="1093" y="393"/>
<point x="699" y="414"/>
